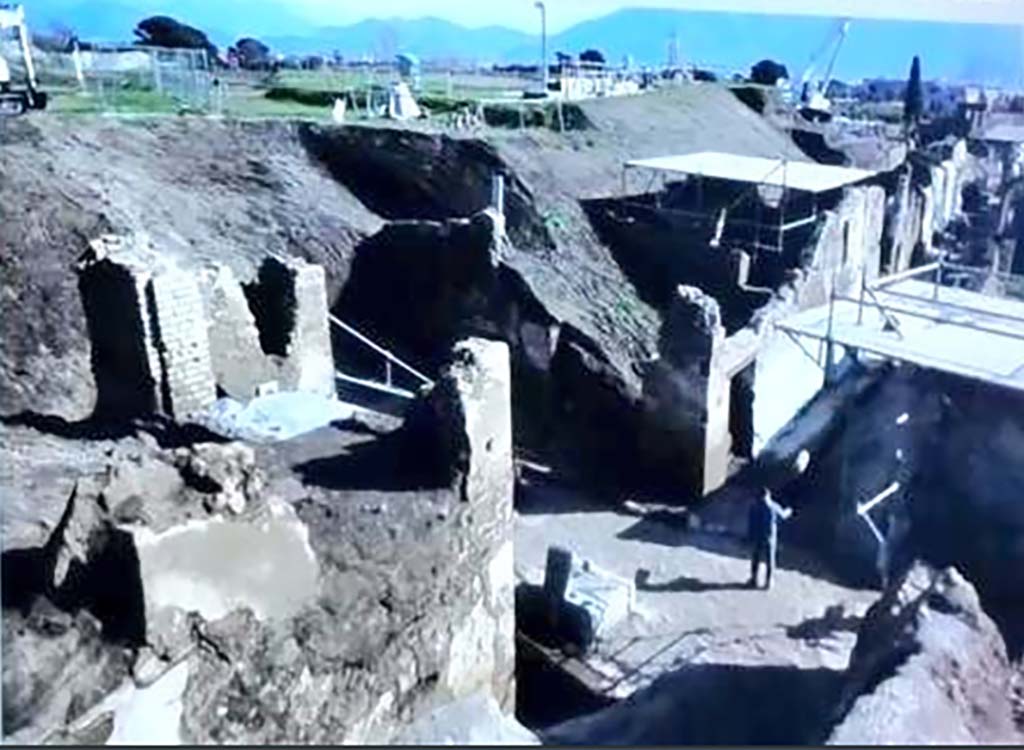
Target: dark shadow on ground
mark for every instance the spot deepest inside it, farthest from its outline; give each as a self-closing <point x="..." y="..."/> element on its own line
<point x="537" y="495"/>
<point x="108" y="584"/>
<point x="24" y="577"/>
<point x="546" y="694"/>
<point x="834" y="620"/>
<point x="86" y="429"/>
<point x="167" y="432"/>
<point x="713" y="704"/>
<point x="685" y="584"/>
<point x="390" y="463"/>
<point x="730" y="545"/>
<point x="359" y="427"/>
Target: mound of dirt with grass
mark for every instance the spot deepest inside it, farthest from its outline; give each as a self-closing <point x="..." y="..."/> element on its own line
<point x="233" y="191"/>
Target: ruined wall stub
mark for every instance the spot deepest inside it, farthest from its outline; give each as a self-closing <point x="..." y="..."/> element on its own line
<point x="288" y="301"/>
<point x="473" y="404"/>
<point x="311" y="352"/>
<point x="164" y="338"/>
<point x="274" y="329"/>
<point x="238" y="361"/>
<point x="150" y="352"/>
<point x="687" y="397"/>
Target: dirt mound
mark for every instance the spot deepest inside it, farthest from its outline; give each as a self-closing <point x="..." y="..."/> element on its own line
<point x="233" y="192"/>
<point x="930" y="667"/>
<point x="204" y="190"/>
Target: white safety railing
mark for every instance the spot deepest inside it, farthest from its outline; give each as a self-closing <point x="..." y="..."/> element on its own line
<point x="390" y="362"/>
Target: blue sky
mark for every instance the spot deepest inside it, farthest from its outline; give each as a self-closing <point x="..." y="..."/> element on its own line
<point x="564" y="13"/>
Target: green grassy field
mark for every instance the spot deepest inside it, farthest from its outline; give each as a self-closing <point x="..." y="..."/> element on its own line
<point x="306" y="94"/>
<point x="459" y="85"/>
<point x="123" y="102"/>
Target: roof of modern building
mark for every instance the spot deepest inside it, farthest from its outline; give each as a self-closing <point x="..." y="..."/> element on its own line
<point x="794" y="175"/>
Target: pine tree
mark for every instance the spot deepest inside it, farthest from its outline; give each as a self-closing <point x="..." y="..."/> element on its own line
<point x="914" y="100"/>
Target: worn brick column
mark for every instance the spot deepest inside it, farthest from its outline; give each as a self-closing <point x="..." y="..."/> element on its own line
<point x="182" y="343"/>
<point x="147" y="328"/>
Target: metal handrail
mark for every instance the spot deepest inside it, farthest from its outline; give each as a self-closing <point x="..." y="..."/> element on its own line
<point x="905" y="275"/>
<point x="388" y="356"/>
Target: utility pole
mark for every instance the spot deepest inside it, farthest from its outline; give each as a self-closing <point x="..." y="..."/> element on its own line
<point x="673" y="51"/>
<point x="543" y="42"/>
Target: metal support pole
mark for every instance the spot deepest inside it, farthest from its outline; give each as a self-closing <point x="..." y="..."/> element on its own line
<point x="782" y="212"/>
<point x="863" y="291"/>
<point x="543" y="43"/>
<point x="387" y="371"/>
<point x="938" y="279"/>
<point x="829" y="344"/>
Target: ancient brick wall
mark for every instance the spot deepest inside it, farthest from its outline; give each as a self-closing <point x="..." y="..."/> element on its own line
<point x="182" y="343"/>
<point x="151" y="353"/>
<point x="165" y="338"/>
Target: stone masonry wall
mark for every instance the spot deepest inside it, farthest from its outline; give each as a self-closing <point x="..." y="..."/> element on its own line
<point x="478" y="385"/>
<point x="686" y="397"/>
<point x="310" y="362"/>
<point x="238" y="362"/>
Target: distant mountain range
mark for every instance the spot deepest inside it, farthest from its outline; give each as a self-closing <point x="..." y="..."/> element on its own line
<point x="875" y="48"/>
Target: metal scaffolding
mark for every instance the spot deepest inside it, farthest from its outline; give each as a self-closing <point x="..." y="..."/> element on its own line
<point x="925" y="317"/>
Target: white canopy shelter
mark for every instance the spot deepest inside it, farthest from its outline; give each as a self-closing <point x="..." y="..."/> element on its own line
<point x="807" y="176"/>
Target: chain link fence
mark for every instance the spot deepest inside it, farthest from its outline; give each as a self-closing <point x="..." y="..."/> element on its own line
<point x="116" y="78"/>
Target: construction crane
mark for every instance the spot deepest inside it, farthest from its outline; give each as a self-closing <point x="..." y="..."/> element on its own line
<point x="15" y="100"/>
<point x="816" y="105"/>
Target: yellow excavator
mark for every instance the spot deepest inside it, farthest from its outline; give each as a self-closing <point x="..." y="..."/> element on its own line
<point x="17" y="99"/>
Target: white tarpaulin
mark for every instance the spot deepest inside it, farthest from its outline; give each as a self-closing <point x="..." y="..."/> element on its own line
<point x="401" y="104"/>
<point x="795" y="175"/>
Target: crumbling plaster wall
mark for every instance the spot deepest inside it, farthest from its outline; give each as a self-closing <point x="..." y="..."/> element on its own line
<point x="846" y="250"/>
<point x="926" y="198"/>
<point x="947" y="183"/>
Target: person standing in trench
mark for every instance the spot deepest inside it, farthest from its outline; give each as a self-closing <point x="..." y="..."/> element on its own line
<point x="763" y="533"/>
